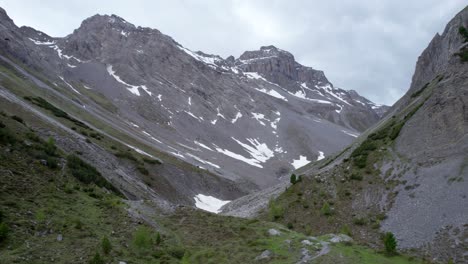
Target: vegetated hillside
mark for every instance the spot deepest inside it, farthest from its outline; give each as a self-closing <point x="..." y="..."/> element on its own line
<point x="406" y="175"/>
<point x="57" y="208"/>
<point x="250" y="120"/>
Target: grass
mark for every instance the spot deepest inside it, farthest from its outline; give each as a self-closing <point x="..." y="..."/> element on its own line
<point x="342" y="253"/>
<point x="37" y="204"/>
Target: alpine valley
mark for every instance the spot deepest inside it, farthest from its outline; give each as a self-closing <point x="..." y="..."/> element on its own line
<point x="120" y="145"/>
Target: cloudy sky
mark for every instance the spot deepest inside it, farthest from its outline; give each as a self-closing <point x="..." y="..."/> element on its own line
<point x="366" y="45"/>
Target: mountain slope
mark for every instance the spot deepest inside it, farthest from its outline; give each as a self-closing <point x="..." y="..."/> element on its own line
<point x="407" y="174"/>
<point x="237" y="118"/>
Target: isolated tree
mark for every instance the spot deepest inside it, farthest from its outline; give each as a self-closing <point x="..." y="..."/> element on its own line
<point x="390" y="243"/>
<point x="293" y="178"/>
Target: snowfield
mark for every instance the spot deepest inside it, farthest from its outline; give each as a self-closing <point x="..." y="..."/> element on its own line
<point x="301" y="162"/>
<point x="209" y="203"/>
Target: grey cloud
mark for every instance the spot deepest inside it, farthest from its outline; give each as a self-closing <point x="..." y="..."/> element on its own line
<point x="369" y="46"/>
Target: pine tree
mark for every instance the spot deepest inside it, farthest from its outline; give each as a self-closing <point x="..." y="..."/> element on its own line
<point x="293" y="179"/>
<point x="390" y="243"/>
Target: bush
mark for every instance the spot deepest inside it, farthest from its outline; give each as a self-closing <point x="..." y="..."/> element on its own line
<point x="3" y="232"/>
<point x="106" y="245"/>
<point x="396" y="130"/>
<point x="176" y="252"/>
<point x="360" y="221"/>
<point x="290" y="225"/>
<point x="87" y="173"/>
<point x="356" y="177"/>
<point x="17" y="119"/>
<point x="293" y="179"/>
<point x="126" y="155"/>
<point x="142" y="238"/>
<point x="151" y="161"/>
<point x="6" y="137"/>
<point x="49" y="147"/>
<point x="158" y="239"/>
<point x="52" y="163"/>
<point x="346" y="230"/>
<point x="143" y="170"/>
<point x="326" y="210"/>
<point x="276" y="211"/>
<point x="464" y="33"/>
<point x="97" y="259"/>
<point x="390" y="243"/>
<point x="361" y="161"/>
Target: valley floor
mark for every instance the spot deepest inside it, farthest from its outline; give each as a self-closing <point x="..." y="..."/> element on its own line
<point x="55" y="208"/>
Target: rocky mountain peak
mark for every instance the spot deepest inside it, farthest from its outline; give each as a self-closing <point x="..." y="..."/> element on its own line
<point x="280" y="67"/>
<point x="435" y="58"/>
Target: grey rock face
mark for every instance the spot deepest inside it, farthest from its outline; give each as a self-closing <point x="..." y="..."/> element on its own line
<point x="250" y="120"/>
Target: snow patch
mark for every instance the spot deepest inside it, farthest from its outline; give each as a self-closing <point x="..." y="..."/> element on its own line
<point x="210" y="61"/>
<point x="272" y="93"/>
<point x="202" y="145"/>
<point x="69" y="85"/>
<point x="194" y="116"/>
<point x="258" y="151"/>
<point x="209" y="203"/>
<point x="238" y="115"/>
<point x="321" y="156"/>
<point x="203" y="161"/>
<point x="302" y="161"/>
<point x="132" y="88"/>
<point x="259" y="118"/>
<point x="350" y="133"/>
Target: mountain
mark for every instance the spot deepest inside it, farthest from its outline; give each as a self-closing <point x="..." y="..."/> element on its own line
<point x="245" y="122"/>
<point x="406" y="175"/>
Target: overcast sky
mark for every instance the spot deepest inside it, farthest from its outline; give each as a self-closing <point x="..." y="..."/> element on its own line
<point x="367" y="45"/>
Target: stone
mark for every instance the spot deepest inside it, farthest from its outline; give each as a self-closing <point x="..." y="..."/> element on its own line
<point x="274" y="232"/>
<point x="265" y="255"/>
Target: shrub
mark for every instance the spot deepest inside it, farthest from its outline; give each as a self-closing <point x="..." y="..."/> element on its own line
<point x="52" y="163"/>
<point x="360" y="221"/>
<point x="106" y="245"/>
<point x="3" y="232"/>
<point x="6" y="137"/>
<point x="158" y="239"/>
<point x="17" y="119"/>
<point x="345" y="230"/>
<point x="143" y="170"/>
<point x="290" y="225"/>
<point x="97" y="259"/>
<point x="356" y="177"/>
<point x="49" y="147"/>
<point x="176" y="252"/>
<point x="152" y="161"/>
<point x="326" y="210"/>
<point x="126" y="155"/>
<point x="390" y="243"/>
<point x="361" y="161"/>
<point x="464" y="33"/>
<point x="276" y="211"/>
<point x="87" y="173"/>
<point x="142" y="238"/>
<point x="293" y="179"/>
<point x="396" y="130"/>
